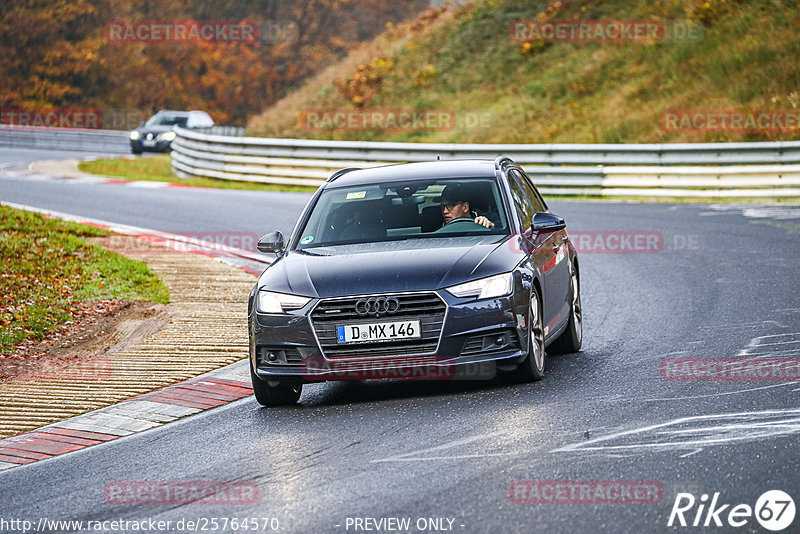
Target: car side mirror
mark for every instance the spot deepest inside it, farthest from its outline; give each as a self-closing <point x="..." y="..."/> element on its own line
<point x="272" y="242"/>
<point x="547" y="222"/>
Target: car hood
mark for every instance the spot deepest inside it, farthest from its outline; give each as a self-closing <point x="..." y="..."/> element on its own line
<point x="154" y="129"/>
<point x="411" y="265"/>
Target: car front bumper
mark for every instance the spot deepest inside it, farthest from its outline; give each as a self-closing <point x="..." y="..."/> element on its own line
<point x="140" y="145"/>
<point x="475" y="338"/>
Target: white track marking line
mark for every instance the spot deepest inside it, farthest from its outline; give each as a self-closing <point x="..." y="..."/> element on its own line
<point x="414" y="455"/>
<point x="759" y="341"/>
<point x="722" y="394"/>
<point x="751" y="428"/>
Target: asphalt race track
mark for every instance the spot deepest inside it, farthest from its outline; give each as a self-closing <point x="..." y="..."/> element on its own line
<point x="721" y="282"/>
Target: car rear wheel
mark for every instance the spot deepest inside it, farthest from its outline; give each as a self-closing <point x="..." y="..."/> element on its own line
<point x="281" y="394"/>
<point x="532" y="368"/>
<point x="570" y="341"/>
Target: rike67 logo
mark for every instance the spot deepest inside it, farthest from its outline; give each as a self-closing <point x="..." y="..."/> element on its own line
<point x="774" y="510"/>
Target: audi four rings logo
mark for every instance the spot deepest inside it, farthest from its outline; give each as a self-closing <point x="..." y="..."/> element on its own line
<point x="377" y="305"/>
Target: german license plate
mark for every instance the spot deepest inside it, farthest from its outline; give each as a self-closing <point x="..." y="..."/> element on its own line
<point x="149" y="143"/>
<point x="377" y="331"/>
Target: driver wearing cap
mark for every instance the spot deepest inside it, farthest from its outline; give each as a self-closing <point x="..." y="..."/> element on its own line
<point x="456" y="211"/>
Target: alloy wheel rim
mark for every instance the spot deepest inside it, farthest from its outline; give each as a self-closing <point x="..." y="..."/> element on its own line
<point x="537" y="336"/>
<point x="577" y="316"/>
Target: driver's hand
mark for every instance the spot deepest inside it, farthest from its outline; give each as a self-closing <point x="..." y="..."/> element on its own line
<point x="483" y="221"/>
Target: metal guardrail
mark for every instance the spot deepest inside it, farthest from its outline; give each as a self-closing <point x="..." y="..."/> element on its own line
<point x="740" y="169"/>
<point x="63" y="139"/>
<point x="84" y="139"/>
<point x="228" y="131"/>
<point x="546" y="154"/>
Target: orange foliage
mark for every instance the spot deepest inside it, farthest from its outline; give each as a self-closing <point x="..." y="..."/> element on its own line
<point x="54" y="54"/>
<point x="366" y="81"/>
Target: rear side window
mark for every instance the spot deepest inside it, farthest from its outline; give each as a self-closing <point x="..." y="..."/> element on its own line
<point x="523" y="206"/>
<point x="533" y="195"/>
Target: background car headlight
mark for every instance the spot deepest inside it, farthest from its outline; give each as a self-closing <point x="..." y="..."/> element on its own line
<point x="269" y="302"/>
<point x="485" y="288"/>
<point x="135" y="135"/>
<point x="166" y="136"/>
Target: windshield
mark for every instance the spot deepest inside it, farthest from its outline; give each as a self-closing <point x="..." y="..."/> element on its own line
<point x="403" y="210"/>
<point x="167" y="120"/>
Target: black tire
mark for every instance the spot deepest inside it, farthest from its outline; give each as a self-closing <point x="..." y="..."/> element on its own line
<point x="572" y="338"/>
<point x="135" y="151"/>
<point x="532" y="368"/>
<point x="281" y="395"/>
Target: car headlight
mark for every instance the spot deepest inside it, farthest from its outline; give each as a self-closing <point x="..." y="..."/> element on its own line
<point x="485" y="288"/>
<point x="270" y="302"/>
<point x="166" y="136"/>
<point x="135" y="135"/>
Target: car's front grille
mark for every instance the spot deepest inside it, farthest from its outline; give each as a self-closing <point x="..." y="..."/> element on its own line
<point x="426" y="307"/>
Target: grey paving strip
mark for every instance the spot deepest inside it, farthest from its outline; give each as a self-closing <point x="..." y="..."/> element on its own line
<point x="89" y="426"/>
<point x="154" y="408"/>
<point x="145" y="416"/>
<point x="107" y="423"/>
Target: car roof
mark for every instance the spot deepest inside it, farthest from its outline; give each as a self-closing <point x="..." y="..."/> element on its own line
<point x="172" y="112"/>
<point x="418" y="171"/>
<point x="181" y="112"/>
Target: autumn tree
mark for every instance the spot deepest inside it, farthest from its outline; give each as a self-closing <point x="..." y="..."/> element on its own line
<point x="54" y="53"/>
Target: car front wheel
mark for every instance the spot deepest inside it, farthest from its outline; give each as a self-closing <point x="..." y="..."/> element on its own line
<point x="532" y="368"/>
<point x="282" y="394"/>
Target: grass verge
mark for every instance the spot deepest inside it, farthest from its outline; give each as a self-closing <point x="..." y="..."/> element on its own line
<point x="461" y="58"/>
<point x="159" y="169"/>
<point x="50" y="275"/>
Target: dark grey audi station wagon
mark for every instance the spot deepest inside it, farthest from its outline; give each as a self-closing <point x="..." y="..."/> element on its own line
<point x="417" y="270"/>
